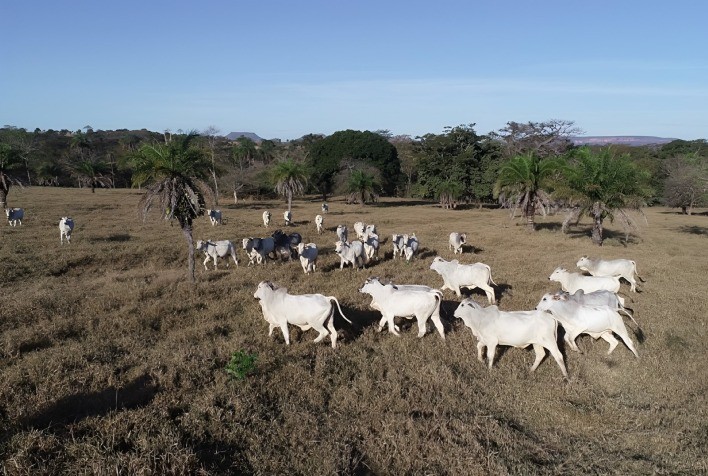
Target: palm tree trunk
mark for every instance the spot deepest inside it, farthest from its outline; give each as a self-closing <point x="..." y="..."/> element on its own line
<point x="187" y="231"/>
<point x="216" y="185"/>
<point x="597" y="224"/>
<point x="290" y="202"/>
<point x="3" y="198"/>
<point x="530" y="213"/>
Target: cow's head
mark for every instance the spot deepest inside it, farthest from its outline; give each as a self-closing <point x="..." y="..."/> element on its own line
<point x="583" y="263"/>
<point x="339" y="246"/>
<point x="557" y="273"/>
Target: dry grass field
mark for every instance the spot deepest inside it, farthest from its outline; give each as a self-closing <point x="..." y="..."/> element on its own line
<point x="110" y="362"/>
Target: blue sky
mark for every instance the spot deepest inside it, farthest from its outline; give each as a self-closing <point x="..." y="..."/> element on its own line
<point x="288" y="68"/>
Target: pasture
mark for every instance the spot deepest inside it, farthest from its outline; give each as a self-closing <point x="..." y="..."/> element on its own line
<point x="110" y="362"/>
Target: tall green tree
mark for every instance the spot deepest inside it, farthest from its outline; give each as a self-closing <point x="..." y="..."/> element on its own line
<point x="290" y="178"/>
<point x="363" y="187"/>
<point x="90" y="173"/>
<point x="603" y="185"/>
<point x="524" y="182"/>
<point x="175" y="175"/>
<point x="10" y="168"/>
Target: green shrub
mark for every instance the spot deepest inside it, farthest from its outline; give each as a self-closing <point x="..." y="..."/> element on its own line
<point x="241" y="364"/>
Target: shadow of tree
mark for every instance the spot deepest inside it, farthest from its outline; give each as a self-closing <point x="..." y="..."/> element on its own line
<point x="115" y="238"/>
<point x="694" y="229"/>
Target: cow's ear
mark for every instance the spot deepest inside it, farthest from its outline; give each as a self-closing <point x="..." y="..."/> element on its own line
<point x="556" y="298"/>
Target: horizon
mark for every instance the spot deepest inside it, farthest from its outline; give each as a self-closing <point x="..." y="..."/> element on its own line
<point x="285" y="70"/>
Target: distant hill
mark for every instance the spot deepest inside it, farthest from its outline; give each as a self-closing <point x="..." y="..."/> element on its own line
<point x="251" y="135"/>
<point x="625" y="140"/>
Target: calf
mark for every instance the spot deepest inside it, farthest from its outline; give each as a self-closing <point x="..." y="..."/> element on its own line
<point x="66" y="226"/>
<point x="319" y="223"/>
<point x="214" y="217"/>
<point x="266" y="218"/>
<point x="457" y="240"/>
<point x="305" y="311"/>
<point x="351" y="253"/>
<point x="217" y="249"/>
<point x="288" y="216"/>
<point x="308" y="257"/>
<point x="571" y="282"/>
<point x="456" y="276"/>
<point x="519" y="329"/>
<point x="14" y="216"/>
<point x="622" y="268"/>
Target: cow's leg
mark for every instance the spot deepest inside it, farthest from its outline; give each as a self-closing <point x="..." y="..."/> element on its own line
<point x="622" y="332"/>
<point x="321" y="329"/>
<point x="480" y="349"/>
<point x="491" y="350"/>
<point x="206" y="260"/>
<point x="332" y="331"/>
<point x="540" y="354"/>
<point x="382" y="322"/>
<point x="632" y="283"/>
<point x="438" y="324"/>
<point x="570" y="340"/>
<point x="607" y="336"/>
<point x="61" y="238"/>
<point x="489" y="291"/>
<point x="216" y="258"/>
<point x="270" y="329"/>
<point x="422" y="324"/>
<point x="68" y="238"/>
<point x="286" y="333"/>
<point x="392" y="328"/>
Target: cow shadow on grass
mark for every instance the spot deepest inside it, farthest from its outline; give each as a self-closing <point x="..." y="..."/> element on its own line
<point x="361" y="320"/>
<point x="74" y="408"/>
<point x="114" y="238"/>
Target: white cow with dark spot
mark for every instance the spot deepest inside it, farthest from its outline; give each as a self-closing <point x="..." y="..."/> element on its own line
<point x="305" y="311"/>
<point x="351" y="253"/>
<point x="342" y="233"/>
<point x="266" y="218"/>
<point x="399" y="244"/>
<point x="457" y="240"/>
<point x="288" y="216"/>
<point x="622" y="268"/>
<point x="217" y="249"/>
<point x="410" y="302"/>
<point x="319" y="223"/>
<point x="308" y="257"/>
<point x="577" y="319"/>
<point x="519" y="329"/>
<point x="411" y="246"/>
<point x="14" y="216"/>
<point x="456" y="276"/>
<point x="214" y="217"/>
<point x="571" y="282"/>
<point x="66" y="227"/>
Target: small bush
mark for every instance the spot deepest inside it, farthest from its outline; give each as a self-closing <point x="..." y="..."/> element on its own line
<point x="241" y="364"/>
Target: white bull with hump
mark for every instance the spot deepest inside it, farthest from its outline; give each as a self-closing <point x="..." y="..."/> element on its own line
<point x="576" y="319"/>
<point x="519" y="329"/>
<point x="571" y="282"/>
<point x="405" y="301"/>
<point x="308" y="257"/>
<point x="306" y="311"/>
<point x="217" y="249"/>
<point x="351" y="253"/>
<point x="621" y="268"/>
<point x="456" y="276"/>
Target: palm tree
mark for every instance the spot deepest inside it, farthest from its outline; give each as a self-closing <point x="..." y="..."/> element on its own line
<point x="290" y="179"/>
<point x="602" y="185"/>
<point x="175" y="174"/>
<point x="522" y="182"/>
<point x="363" y="186"/>
<point x="10" y="161"/>
<point x="448" y="193"/>
<point x="90" y="173"/>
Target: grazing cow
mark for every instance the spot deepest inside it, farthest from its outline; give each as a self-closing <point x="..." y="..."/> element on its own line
<point x="325" y="208"/>
<point x="319" y="223"/>
<point x="456" y="242"/>
<point x="288" y="216"/>
<point x="258" y="249"/>
<point x="217" y="249"/>
<point x="399" y="245"/>
<point x="519" y="329"/>
<point x="571" y="282"/>
<point x="359" y="228"/>
<point x="14" y="215"/>
<point x="266" y="218"/>
<point x="456" y="276"/>
<point x="371" y="245"/>
<point x="286" y="245"/>
<point x="342" y="233"/>
<point x="410" y="248"/>
<point x="214" y="217"/>
<point x="577" y="319"/>
<point x="305" y="311"/>
<point x="351" y="253"/>
<point x="308" y="257"/>
<point x="622" y="268"/>
<point x="66" y="226"/>
<point x="392" y="301"/>
<point x="596" y="298"/>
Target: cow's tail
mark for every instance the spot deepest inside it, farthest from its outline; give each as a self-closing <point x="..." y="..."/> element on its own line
<point x="332" y="298"/>
<point x="634" y="265"/>
<point x="491" y="281"/>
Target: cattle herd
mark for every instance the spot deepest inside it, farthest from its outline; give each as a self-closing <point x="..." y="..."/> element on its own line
<point x="585" y="305"/>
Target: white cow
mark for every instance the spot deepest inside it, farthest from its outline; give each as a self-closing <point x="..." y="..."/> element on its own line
<point x="411" y="287"/>
<point x="411" y="246"/>
<point x="457" y="240"/>
<point x="308" y="257"/>
<point x="622" y="268"/>
<point x="596" y="298"/>
<point x="14" y="215"/>
<point x="66" y="226"/>
<point x="571" y="282"/>
<point x="371" y="245"/>
<point x="325" y="208"/>
<point x="305" y="311"/>
<point x="342" y="233"/>
<point x="519" y="329"/>
<point x="214" y="217"/>
<point x="319" y="222"/>
<point x="576" y="319"/>
<point x="359" y="228"/>
<point x="370" y="229"/>
<point x="258" y="249"/>
<point x="456" y="276"/>
<point x="398" y="245"/>
<point x="288" y="216"/>
<point x="351" y="253"/>
<point x="217" y="249"/>
<point x="409" y="302"/>
<point x="266" y="218"/>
